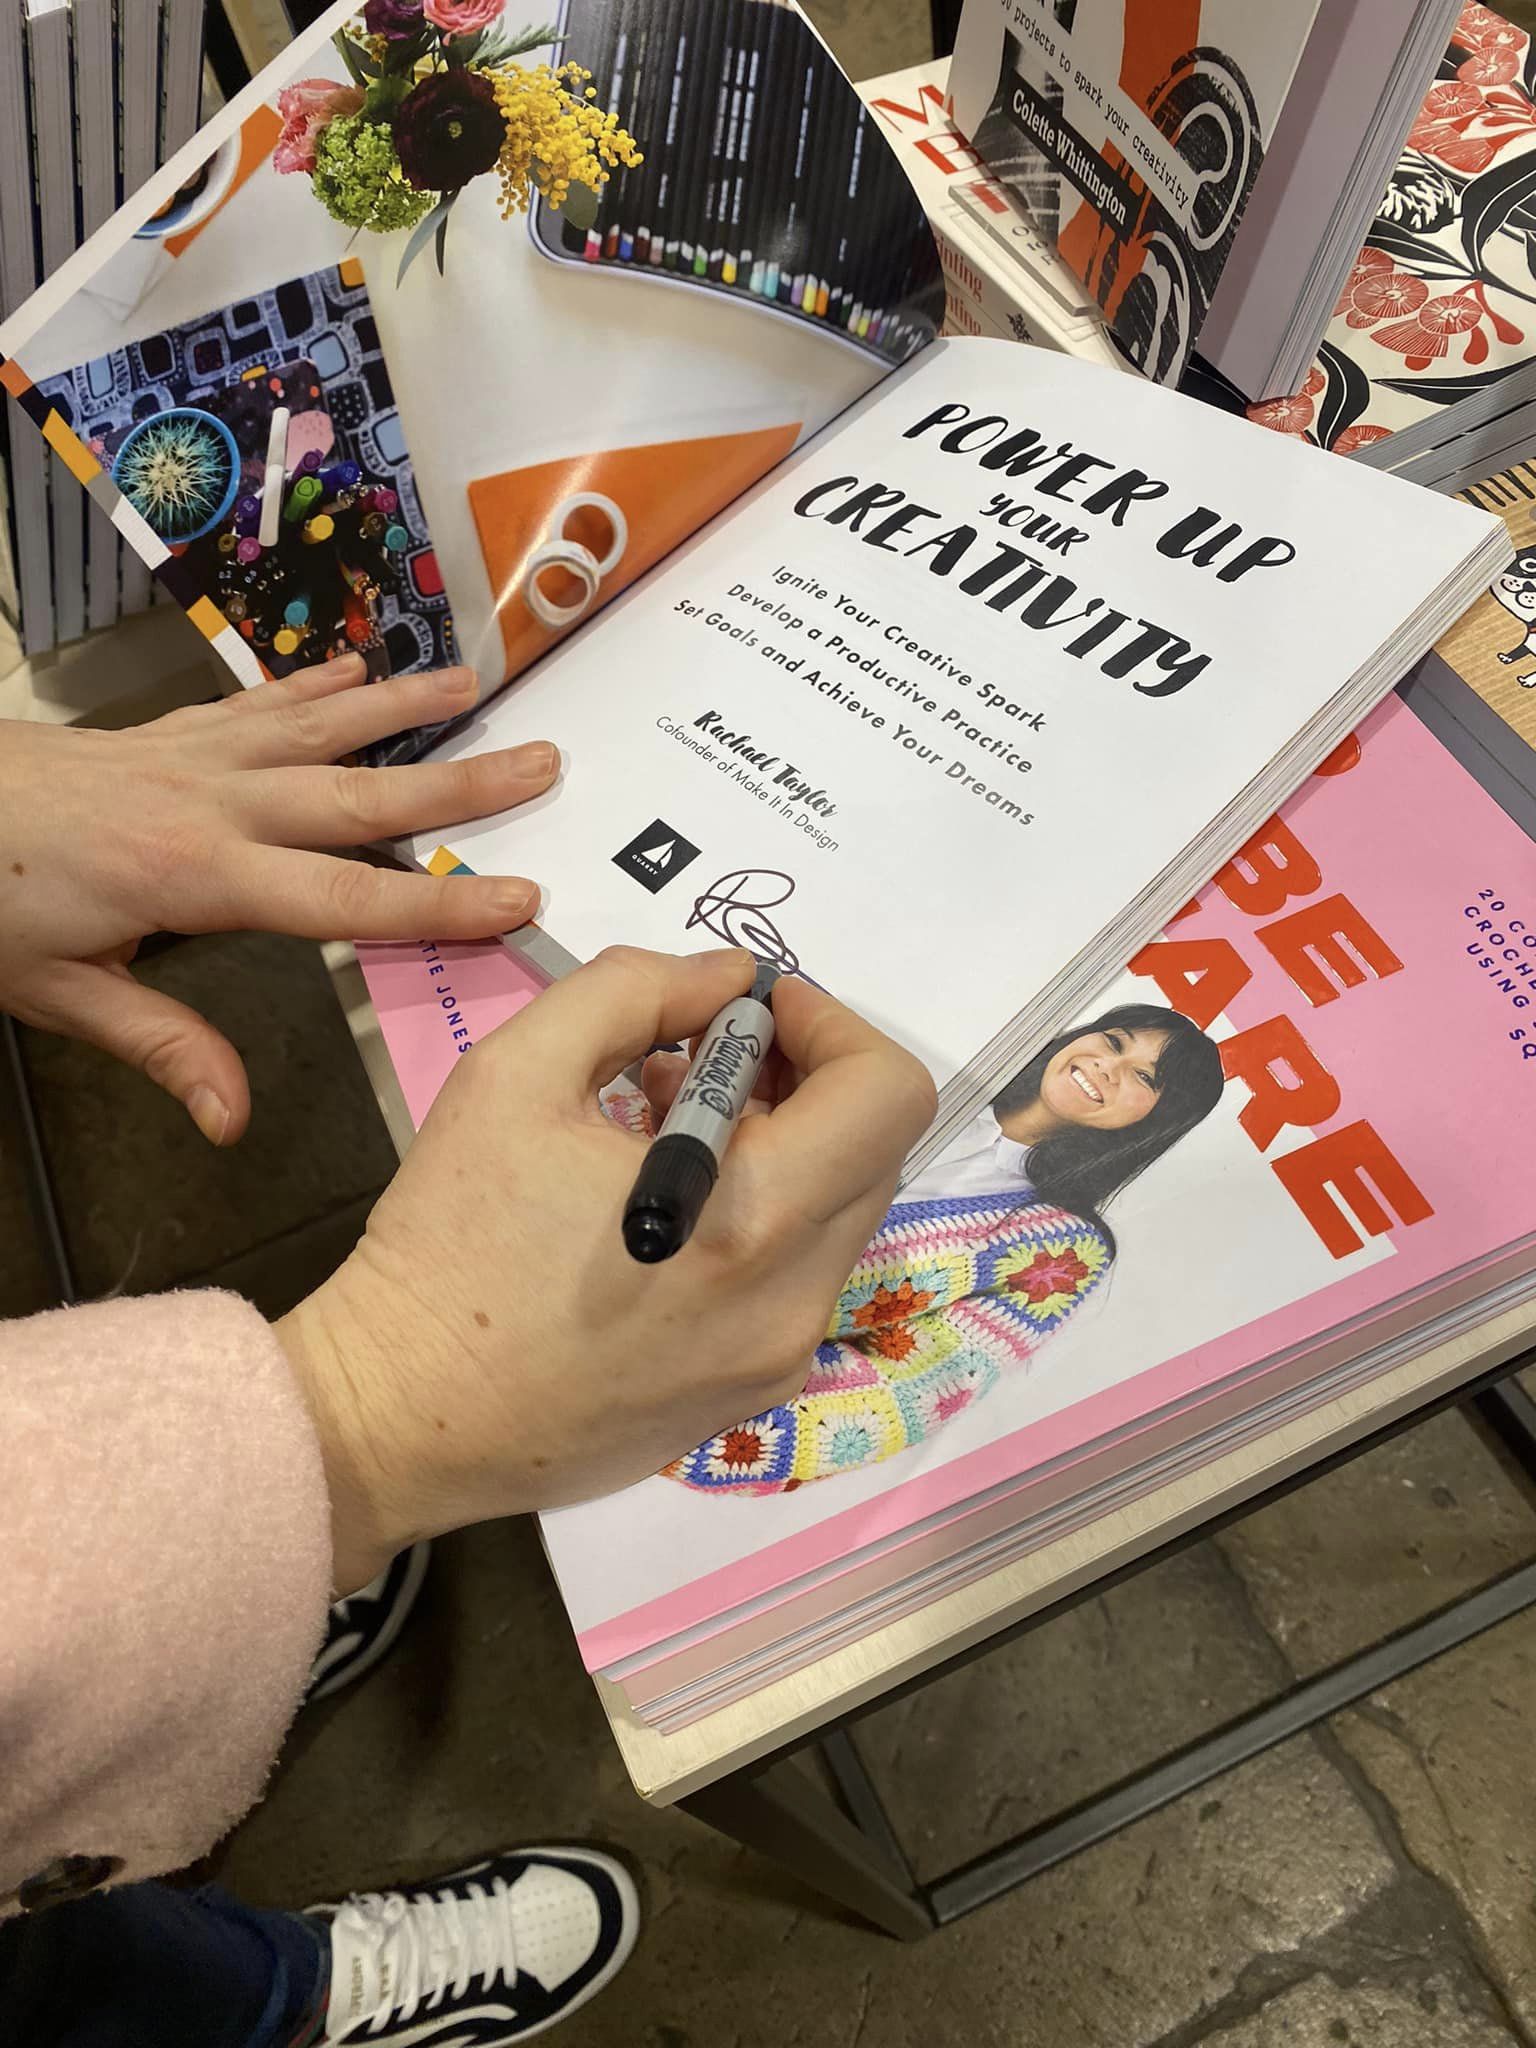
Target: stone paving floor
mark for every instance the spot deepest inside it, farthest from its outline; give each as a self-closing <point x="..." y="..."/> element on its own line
<point x="1373" y="1883"/>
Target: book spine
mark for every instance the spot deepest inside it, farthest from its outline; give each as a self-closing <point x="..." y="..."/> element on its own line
<point x="139" y="76"/>
<point x="18" y="277"/>
<point x="962" y="315"/>
<point x="181" y="71"/>
<point x="10" y="588"/>
<point x="53" y="129"/>
<point x="139" y="137"/>
<point x="96" y="152"/>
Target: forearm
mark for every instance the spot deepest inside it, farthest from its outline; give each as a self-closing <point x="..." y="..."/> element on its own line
<point x="164" y="1518"/>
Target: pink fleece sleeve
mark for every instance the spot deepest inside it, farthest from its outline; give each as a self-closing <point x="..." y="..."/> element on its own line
<point x="165" y="1537"/>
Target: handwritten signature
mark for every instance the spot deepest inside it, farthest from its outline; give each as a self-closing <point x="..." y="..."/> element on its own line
<point x="735" y="909"/>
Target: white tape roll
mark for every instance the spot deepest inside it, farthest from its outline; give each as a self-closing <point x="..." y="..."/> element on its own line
<point x="595" y="501"/>
<point x="560" y="554"/>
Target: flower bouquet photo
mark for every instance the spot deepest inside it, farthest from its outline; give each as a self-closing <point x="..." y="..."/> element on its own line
<point x="437" y="100"/>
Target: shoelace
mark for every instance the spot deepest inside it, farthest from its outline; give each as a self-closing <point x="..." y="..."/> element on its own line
<point x="424" y="1945"/>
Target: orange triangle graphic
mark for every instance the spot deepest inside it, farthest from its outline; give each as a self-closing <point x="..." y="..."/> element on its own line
<point x="666" y="491"/>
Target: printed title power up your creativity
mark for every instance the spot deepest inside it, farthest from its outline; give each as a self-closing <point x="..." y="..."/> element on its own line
<point x="1007" y="578"/>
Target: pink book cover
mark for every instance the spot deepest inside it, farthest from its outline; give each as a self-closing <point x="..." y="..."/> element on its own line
<point x="1365" y="970"/>
<point x="434" y="1002"/>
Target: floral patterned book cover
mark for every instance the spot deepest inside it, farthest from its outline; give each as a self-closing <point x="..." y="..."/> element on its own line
<point x="1441" y="303"/>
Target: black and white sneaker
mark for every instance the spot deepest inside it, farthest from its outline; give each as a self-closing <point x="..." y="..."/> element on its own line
<point x="489" y="1955"/>
<point x="364" y="1626"/>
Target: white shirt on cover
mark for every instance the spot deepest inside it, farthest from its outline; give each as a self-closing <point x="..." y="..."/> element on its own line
<point x="979" y="1160"/>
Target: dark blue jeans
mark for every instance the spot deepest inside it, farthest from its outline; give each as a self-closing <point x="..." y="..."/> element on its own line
<point x="148" y="1967"/>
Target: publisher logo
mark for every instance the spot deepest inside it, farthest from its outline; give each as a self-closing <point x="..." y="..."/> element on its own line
<point x="655" y="855"/>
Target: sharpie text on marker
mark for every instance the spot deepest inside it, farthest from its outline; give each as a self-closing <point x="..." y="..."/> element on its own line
<point x="684" y="1163"/>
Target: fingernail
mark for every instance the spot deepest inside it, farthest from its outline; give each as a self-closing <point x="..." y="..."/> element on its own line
<point x="517" y="906"/>
<point x="350" y="665"/>
<point x="458" y="682"/>
<point x="535" y="760"/>
<point x="209" y="1114"/>
<point x="741" y="954"/>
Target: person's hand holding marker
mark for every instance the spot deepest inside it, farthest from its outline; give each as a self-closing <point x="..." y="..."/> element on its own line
<point x="491" y="1347"/>
<point x="216" y="818"/>
<point x="712" y="1092"/>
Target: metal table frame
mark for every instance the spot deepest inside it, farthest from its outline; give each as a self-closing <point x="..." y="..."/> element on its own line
<point x="841" y="1842"/>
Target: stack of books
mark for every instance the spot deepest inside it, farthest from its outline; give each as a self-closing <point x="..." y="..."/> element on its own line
<point x="1365" y="990"/>
<point x="1368" y="286"/>
<point x="91" y="101"/>
<point x="1427" y="367"/>
<point x="941" y="673"/>
<point x="1207" y="171"/>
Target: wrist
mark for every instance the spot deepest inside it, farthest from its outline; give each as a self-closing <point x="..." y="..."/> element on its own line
<point x="337" y="1375"/>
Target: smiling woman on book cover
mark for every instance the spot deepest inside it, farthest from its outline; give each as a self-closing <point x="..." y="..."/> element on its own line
<point x="990" y="1251"/>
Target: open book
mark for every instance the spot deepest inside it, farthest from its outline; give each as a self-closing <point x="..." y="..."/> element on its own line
<point x="970" y="695"/>
<point x="874" y="644"/>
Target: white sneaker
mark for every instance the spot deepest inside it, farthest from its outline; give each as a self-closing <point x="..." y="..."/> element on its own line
<point x="492" y="1954"/>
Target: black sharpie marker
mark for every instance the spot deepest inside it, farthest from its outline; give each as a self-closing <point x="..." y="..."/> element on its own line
<point x="684" y="1162"/>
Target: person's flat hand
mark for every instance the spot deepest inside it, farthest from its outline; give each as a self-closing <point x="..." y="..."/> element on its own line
<point x="211" y="819"/>
<point x="491" y="1348"/>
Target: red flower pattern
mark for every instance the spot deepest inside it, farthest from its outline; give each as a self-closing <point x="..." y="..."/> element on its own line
<point x="1358" y="437"/>
<point x="1466" y="122"/>
<point x="888" y="1305"/>
<point x="893" y="1340"/>
<point x="1385" y="295"/>
<point x="1479" y="28"/>
<point x="1490" y="67"/>
<point x="1048" y="1273"/>
<point x="1427" y="336"/>
<point x="1445" y="103"/>
<point x="1456" y="150"/>
<point x="1283" y="415"/>
<point x="742" y="1447"/>
<point x="1368" y="260"/>
<point x="1466" y="125"/>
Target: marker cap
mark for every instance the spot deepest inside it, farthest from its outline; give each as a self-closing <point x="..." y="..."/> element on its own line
<point x="660" y="1215"/>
